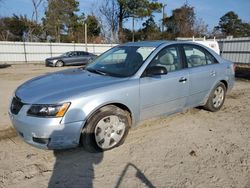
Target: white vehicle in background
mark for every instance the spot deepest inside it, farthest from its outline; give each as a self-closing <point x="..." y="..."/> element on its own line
<point x="210" y="43"/>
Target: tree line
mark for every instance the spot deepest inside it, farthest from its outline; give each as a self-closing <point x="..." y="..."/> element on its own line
<point x="63" y="22"/>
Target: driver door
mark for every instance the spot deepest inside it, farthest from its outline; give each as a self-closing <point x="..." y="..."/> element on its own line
<point x="167" y="93"/>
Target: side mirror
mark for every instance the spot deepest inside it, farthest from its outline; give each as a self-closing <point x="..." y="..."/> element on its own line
<point x="156" y="70"/>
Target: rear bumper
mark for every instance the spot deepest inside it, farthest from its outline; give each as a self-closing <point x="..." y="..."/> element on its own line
<point x="231" y="82"/>
<point x="47" y="133"/>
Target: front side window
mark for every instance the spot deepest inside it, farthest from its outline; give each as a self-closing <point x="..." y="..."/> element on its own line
<point x="169" y="58"/>
<point x="196" y="57"/>
<point x="71" y="54"/>
<point x="121" y="61"/>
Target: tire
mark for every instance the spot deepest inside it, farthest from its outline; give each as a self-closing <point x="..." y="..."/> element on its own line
<point x="100" y="134"/>
<point x="59" y="63"/>
<point x="216" y="98"/>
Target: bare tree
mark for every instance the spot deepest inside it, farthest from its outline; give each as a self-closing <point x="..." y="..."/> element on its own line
<point x="33" y="25"/>
<point x="109" y="10"/>
<point x="35" y="13"/>
<point x="4" y="32"/>
<point x="200" y="28"/>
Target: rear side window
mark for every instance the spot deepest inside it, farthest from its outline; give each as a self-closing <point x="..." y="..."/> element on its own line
<point x="195" y="56"/>
<point x="210" y="59"/>
<point x="82" y="53"/>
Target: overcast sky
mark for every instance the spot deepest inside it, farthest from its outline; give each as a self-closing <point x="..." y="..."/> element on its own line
<point x="209" y="10"/>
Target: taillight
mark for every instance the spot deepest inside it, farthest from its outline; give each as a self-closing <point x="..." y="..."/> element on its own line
<point x="233" y="67"/>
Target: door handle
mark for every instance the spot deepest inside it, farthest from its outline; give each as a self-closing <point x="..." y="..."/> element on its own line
<point x="212" y="73"/>
<point x="183" y="79"/>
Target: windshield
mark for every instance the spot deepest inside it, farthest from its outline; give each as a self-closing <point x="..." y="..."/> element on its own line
<point x="66" y="54"/>
<point x="121" y="61"/>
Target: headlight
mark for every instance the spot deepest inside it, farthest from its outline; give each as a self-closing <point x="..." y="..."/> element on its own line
<point x="46" y="110"/>
<point x="54" y="61"/>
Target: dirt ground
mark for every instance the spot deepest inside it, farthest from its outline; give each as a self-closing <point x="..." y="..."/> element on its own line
<point x="195" y="148"/>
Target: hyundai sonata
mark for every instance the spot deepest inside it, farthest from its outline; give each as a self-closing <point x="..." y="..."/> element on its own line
<point x="96" y="105"/>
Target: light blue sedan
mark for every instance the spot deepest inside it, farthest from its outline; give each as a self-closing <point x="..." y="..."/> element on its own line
<point x="95" y="106"/>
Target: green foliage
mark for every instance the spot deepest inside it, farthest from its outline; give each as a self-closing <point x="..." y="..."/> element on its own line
<point x="150" y="30"/>
<point x="60" y="16"/>
<point x="63" y="24"/>
<point x="14" y="28"/>
<point x="135" y="9"/>
<point x="93" y="26"/>
<point x="231" y="24"/>
<point x="181" y="23"/>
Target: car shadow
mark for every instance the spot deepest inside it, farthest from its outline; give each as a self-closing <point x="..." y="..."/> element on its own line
<point x="4" y="66"/>
<point x="242" y="73"/>
<point x="74" y="168"/>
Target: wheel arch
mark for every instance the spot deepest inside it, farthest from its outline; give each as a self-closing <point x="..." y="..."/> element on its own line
<point x="93" y="112"/>
<point x="219" y="81"/>
<point x="117" y="104"/>
<point x="225" y="83"/>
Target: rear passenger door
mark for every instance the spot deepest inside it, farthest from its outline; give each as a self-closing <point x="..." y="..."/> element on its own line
<point x="83" y="57"/>
<point x="202" y="68"/>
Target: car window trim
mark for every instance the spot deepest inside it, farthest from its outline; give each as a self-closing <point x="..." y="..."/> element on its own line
<point x="205" y="51"/>
<point x="177" y="46"/>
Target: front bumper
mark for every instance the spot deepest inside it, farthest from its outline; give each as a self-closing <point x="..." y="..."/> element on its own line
<point x="46" y="133"/>
<point x="49" y="63"/>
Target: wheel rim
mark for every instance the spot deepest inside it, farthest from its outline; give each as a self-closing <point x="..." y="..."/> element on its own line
<point x="59" y="64"/>
<point x="109" y="131"/>
<point x="218" y="97"/>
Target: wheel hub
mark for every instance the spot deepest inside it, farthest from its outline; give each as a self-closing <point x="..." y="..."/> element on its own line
<point x="109" y="131"/>
<point x="218" y="97"/>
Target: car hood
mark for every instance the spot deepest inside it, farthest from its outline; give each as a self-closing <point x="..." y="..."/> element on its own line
<point x="54" y="58"/>
<point x="63" y="85"/>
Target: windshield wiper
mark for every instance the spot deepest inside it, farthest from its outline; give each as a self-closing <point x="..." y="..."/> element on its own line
<point x="97" y="71"/>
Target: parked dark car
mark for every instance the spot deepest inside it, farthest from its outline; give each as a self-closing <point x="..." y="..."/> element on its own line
<point x="70" y="58"/>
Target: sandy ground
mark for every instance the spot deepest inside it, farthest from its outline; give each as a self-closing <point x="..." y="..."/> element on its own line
<point x="195" y="148"/>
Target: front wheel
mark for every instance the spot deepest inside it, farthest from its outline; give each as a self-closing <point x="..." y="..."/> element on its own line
<point x="216" y="98"/>
<point x="106" y="129"/>
<point x="59" y="63"/>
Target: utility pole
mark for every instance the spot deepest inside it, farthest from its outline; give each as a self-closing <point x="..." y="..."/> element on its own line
<point x="163" y="16"/>
<point x="86" y="37"/>
<point x="133" y="29"/>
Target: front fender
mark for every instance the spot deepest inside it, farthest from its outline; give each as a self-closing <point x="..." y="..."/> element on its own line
<point x="82" y="107"/>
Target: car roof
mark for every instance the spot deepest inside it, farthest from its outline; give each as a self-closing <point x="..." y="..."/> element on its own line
<point x="156" y="43"/>
<point x="78" y="51"/>
<point x="146" y="43"/>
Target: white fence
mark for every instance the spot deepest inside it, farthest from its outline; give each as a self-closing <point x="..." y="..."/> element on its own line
<point x="236" y="50"/>
<point x="19" y="52"/>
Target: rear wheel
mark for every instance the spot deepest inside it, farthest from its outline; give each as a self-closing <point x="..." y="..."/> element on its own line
<point x="59" y="63"/>
<point x="216" y="98"/>
<point x="106" y="129"/>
